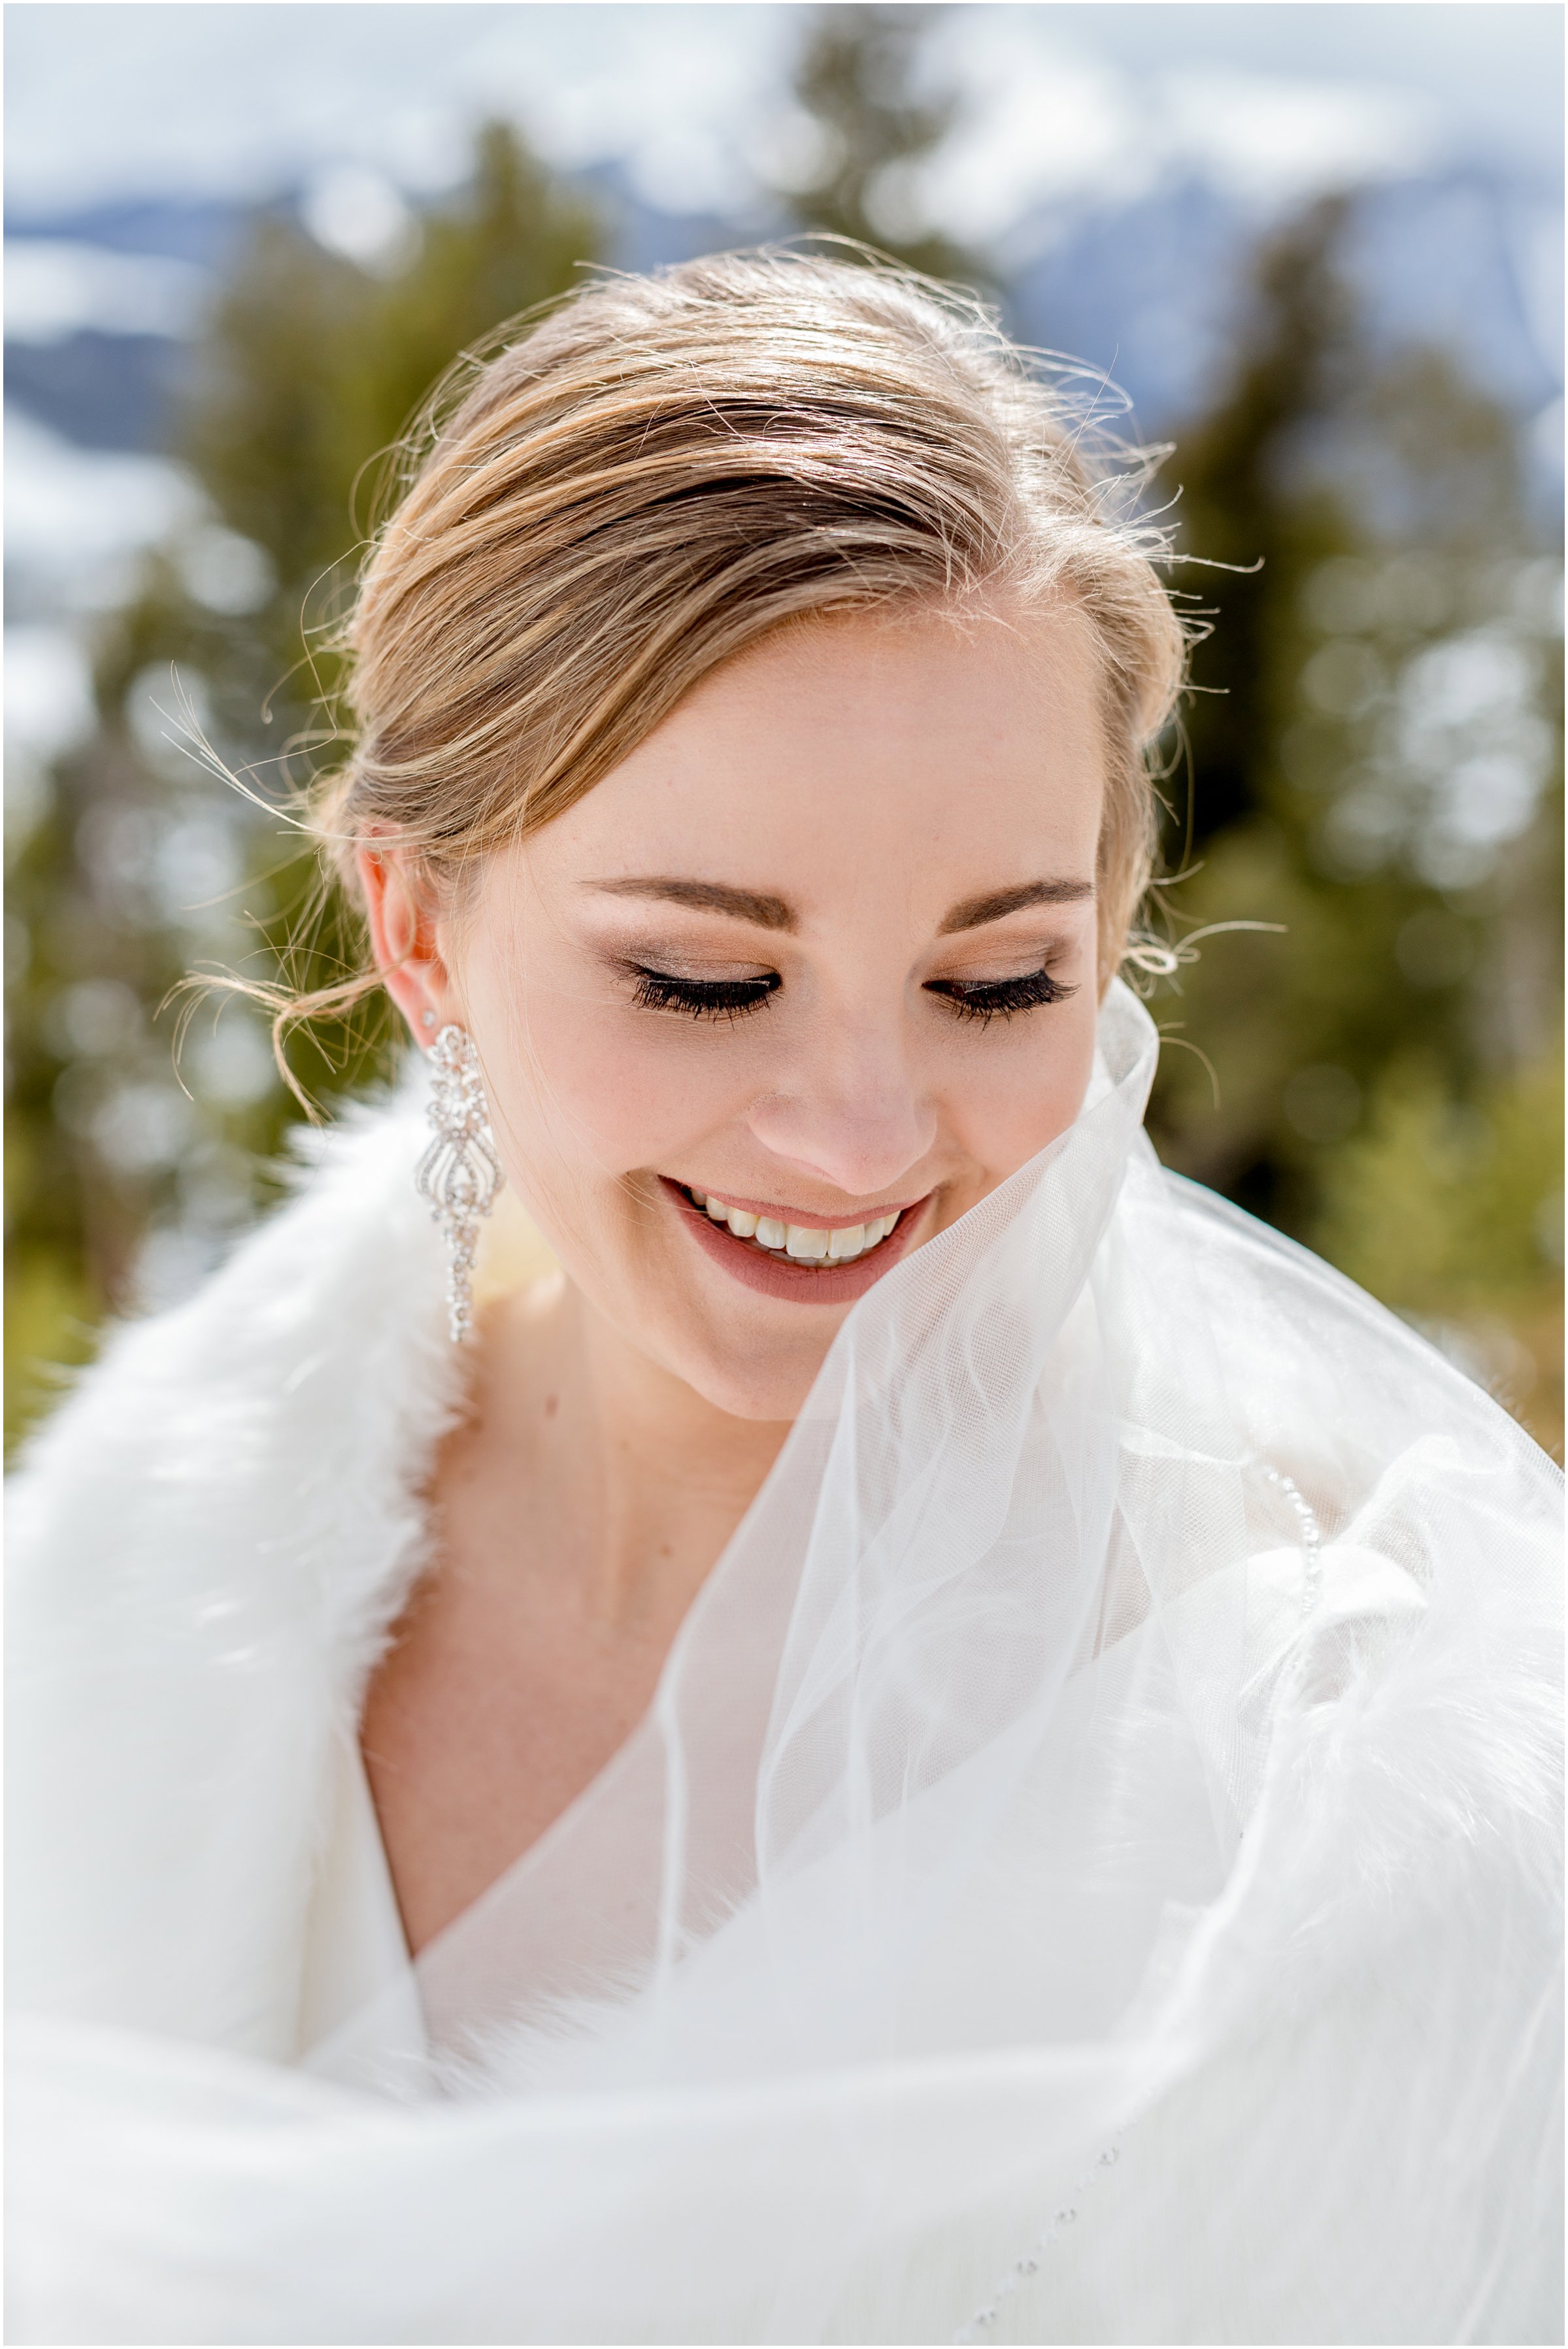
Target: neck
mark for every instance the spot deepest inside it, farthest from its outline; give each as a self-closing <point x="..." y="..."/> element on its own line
<point x="642" y="1479"/>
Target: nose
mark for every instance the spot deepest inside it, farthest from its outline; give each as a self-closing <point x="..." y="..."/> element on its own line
<point x="852" y="1118"/>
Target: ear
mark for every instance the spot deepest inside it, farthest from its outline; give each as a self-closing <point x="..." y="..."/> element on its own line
<point x="405" y="940"/>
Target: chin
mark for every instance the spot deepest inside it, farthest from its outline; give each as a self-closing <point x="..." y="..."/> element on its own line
<point x="749" y="1381"/>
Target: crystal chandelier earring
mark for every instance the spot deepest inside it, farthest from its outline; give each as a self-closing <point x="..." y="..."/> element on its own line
<point x="460" y="1172"/>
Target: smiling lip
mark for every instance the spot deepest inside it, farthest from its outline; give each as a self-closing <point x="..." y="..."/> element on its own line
<point x="781" y="1276"/>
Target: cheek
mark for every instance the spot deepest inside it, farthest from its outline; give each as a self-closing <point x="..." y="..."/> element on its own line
<point x="1024" y="1087"/>
<point x="581" y="1083"/>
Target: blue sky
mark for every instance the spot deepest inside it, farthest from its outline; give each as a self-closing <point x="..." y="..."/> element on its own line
<point x="1067" y="101"/>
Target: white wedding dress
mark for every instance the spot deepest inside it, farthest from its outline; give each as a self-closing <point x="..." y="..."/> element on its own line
<point x="1091" y="1871"/>
<point x="355" y="1946"/>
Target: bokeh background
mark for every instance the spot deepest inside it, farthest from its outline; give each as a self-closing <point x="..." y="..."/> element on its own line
<point x="1319" y="246"/>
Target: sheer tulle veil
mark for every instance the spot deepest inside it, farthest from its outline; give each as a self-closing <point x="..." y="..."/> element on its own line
<point x="1110" y="1768"/>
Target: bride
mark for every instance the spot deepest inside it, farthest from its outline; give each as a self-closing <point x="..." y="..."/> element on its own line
<point x="859" y="1717"/>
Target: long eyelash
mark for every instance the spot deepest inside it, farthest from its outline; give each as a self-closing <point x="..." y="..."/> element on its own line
<point x="1000" y="998"/>
<point x="703" y="998"/>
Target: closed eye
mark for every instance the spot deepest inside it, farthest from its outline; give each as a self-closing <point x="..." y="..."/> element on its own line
<point x="703" y="998"/>
<point x="988" y="999"/>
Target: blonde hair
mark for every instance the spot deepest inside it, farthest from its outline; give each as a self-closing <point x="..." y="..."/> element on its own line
<point x="617" y="498"/>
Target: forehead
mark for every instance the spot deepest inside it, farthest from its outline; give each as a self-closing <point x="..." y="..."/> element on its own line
<point x="932" y="748"/>
<point x="903" y="686"/>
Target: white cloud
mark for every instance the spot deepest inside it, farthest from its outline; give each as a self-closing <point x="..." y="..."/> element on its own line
<point x="55" y="288"/>
<point x="1278" y="140"/>
<point x="105" y="100"/>
<point x="674" y="92"/>
<point x="1047" y="120"/>
<point x="1042" y="121"/>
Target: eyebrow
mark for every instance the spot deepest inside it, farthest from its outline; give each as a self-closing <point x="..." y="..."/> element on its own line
<point x="769" y="913"/>
<point x="995" y="908"/>
<point x="709" y="898"/>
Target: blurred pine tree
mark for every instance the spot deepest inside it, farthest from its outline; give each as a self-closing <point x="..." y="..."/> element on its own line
<point x="1375" y="761"/>
<point x="1454" y="1208"/>
<point x="121" y="1185"/>
<point x="875" y="116"/>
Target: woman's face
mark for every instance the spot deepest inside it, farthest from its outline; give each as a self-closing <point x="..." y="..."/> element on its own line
<point x="816" y="963"/>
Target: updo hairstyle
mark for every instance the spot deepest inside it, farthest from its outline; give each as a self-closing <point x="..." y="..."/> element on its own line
<point x="633" y="490"/>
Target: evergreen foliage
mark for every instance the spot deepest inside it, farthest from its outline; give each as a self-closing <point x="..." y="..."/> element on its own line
<point x="1375" y="762"/>
<point x="122" y="1180"/>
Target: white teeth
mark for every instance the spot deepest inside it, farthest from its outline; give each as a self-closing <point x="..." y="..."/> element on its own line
<point x="807" y="1243"/>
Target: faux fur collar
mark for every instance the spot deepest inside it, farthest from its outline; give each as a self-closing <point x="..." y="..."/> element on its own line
<point x="208" y="1543"/>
